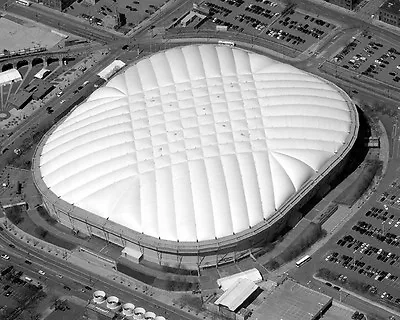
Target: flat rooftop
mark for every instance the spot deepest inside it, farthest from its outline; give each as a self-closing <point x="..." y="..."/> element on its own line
<point x="392" y="6"/>
<point x="289" y="301"/>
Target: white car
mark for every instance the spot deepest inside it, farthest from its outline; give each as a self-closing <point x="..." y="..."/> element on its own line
<point x="5" y="257"/>
<point x="62" y="101"/>
<point x="42" y="272"/>
<point x="59" y="276"/>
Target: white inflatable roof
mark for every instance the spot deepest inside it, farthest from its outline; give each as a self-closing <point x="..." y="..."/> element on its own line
<point x="195" y="143"/>
<point x="9" y="76"/>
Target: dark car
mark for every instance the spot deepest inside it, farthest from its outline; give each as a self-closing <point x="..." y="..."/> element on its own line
<point x="67" y="288"/>
<point x="28" y="262"/>
<point x="88" y="288"/>
<point x="336" y="288"/>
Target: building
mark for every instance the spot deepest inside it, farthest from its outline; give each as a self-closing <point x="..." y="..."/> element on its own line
<point x="389" y="12"/>
<point x="43" y="73"/>
<point x="110" y="21"/>
<point x="59" y="5"/>
<point x="43" y="89"/>
<point x="20" y="100"/>
<point x="195" y="155"/>
<point x="348" y="4"/>
<point x="91" y="2"/>
<point x="290" y="301"/>
<point x="9" y="76"/>
<point x="39" y="88"/>
<point x="33" y="85"/>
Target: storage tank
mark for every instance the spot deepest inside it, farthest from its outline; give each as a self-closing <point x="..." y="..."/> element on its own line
<point x="112" y="302"/>
<point x="149" y="315"/>
<point x="128" y="309"/>
<point x="139" y="313"/>
<point x="99" y="296"/>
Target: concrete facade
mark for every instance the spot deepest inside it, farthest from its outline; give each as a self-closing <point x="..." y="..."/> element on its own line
<point x="347" y="4"/>
<point x="389" y="12"/>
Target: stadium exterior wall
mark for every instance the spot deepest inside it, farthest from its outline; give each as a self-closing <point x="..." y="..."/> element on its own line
<point x="194" y="255"/>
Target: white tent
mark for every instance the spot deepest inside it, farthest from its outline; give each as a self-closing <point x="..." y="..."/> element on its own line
<point x="9" y="76"/>
<point x="252" y="274"/>
<point x="41" y="74"/>
<point x="237" y="294"/>
<point x="195" y="143"/>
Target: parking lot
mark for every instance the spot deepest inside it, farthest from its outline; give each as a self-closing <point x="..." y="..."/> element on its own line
<point x="300" y="30"/>
<point x="371" y="57"/>
<point x="268" y="20"/>
<point x="391" y="196"/>
<point x="367" y="250"/>
<point x="14" y="290"/>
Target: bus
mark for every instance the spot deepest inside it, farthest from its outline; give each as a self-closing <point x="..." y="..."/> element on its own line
<point x="23" y="2"/>
<point x="226" y="43"/>
<point x="302" y="261"/>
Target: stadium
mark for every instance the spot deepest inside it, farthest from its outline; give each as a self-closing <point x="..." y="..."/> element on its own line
<point x="194" y="155"/>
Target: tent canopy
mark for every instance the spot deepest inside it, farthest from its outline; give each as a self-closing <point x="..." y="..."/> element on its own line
<point x="252" y="274"/>
<point x="9" y="76"/>
<point x="237" y="294"/>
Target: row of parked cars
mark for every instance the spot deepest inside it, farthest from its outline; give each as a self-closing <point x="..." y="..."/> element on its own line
<point x="303" y="28"/>
<point x="384" y="216"/>
<point x="255" y="23"/>
<point x="265" y="13"/>
<point x="227" y="24"/>
<point x="378" y="233"/>
<point x="236" y="3"/>
<point x="214" y="8"/>
<point x="360" y="267"/>
<point x="379" y="64"/>
<point x="282" y="35"/>
<point x="346" y="50"/>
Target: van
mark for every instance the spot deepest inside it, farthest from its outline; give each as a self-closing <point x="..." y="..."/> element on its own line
<point x="27" y="279"/>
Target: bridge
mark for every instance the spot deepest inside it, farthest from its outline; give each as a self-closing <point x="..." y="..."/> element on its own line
<point x="19" y="61"/>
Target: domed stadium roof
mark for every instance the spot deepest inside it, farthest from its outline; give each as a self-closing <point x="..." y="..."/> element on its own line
<point x="196" y="143"/>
